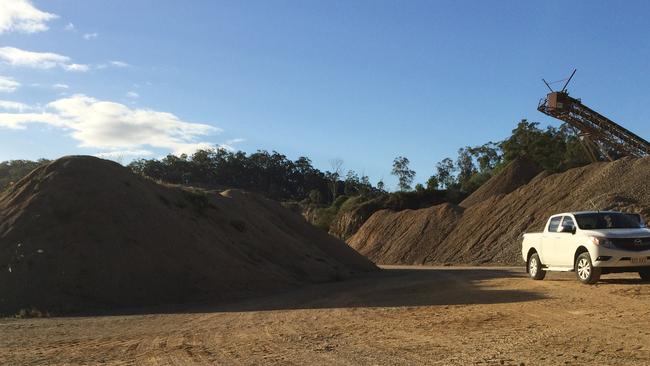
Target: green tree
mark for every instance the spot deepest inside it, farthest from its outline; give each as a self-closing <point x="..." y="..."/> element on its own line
<point x="466" y="167"/>
<point x="404" y="175"/>
<point x="365" y="187"/>
<point x="433" y="183"/>
<point x="487" y="155"/>
<point x="335" y="175"/>
<point x="554" y="149"/>
<point x="380" y="185"/>
<point x="445" y="172"/>
<point x="14" y="170"/>
<point x="352" y="183"/>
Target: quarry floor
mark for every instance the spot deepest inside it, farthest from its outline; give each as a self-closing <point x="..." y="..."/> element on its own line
<point x="400" y="316"/>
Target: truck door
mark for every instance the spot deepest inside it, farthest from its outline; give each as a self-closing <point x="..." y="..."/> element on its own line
<point x="551" y="243"/>
<point x="567" y="247"/>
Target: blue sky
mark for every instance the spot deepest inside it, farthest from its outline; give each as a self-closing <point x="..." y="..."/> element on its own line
<point x="364" y="81"/>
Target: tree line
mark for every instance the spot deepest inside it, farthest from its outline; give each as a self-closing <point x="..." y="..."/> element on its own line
<point x="12" y="171"/>
<point x="276" y="176"/>
<point x="553" y="149"/>
<point x="269" y="173"/>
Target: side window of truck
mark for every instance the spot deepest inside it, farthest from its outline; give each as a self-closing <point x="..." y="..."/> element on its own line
<point x="554" y="224"/>
<point x="568" y="222"/>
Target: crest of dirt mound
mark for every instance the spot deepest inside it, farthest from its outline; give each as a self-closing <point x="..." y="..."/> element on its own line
<point x="491" y="231"/>
<point x="83" y="233"/>
<point x="514" y="175"/>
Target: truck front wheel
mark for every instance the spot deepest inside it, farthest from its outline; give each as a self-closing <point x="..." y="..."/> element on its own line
<point x="585" y="271"/>
<point x="535" y="268"/>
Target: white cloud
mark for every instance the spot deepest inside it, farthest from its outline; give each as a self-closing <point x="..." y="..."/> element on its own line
<point x="60" y="86"/>
<point x="8" y="85"/>
<point x="119" y="154"/>
<point x="76" y="67"/>
<point x="13" y="106"/>
<point x="42" y="60"/>
<point x="69" y="27"/>
<point x="22" y="16"/>
<point x="17" y="121"/>
<point x="230" y="144"/>
<point x="89" y="36"/>
<point x="132" y="95"/>
<point x="113" y="126"/>
<point x="119" y="64"/>
<point x="38" y="60"/>
<point x="191" y="148"/>
<point x="235" y="141"/>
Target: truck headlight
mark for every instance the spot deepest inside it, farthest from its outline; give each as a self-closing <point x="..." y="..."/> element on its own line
<point x="603" y="242"/>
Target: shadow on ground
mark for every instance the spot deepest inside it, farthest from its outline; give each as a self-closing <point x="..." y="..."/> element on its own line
<point x="390" y="287"/>
<point x="630" y="278"/>
<point x="397" y="288"/>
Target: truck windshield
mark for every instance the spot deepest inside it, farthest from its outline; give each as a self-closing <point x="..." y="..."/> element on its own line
<point x="607" y="220"/>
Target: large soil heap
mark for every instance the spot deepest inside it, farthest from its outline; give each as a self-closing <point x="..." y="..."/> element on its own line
<point x="84" y="233"/>
<point x="490" y="231"/>
<point x="384" y="235"/>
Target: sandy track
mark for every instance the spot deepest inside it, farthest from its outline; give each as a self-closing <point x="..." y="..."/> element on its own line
<point x="403" y="315"/>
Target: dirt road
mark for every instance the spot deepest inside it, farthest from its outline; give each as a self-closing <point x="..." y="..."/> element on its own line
<point x="403" y="315"/>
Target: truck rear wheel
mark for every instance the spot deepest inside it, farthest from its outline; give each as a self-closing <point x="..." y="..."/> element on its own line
<point x="585" y="271"/>
<point x="645" y="275"/>
<point x="535" y="268"/>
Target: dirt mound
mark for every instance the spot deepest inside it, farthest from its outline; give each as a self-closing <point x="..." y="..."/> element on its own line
<point x="347" y="222"/>
<point x="519" y="172"/>
<point x="405" y="237"/>
<point x="490" y="231"/>
<point x="84" y="233"/>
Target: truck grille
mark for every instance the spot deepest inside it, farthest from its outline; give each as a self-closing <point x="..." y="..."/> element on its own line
<point x="632" y="244"/>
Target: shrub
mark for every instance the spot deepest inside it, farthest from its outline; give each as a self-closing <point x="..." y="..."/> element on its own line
<point x="199" y="200"/>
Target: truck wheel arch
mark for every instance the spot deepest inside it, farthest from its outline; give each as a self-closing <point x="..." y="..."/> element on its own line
<point x="531" y="251"/>
<point x="581" y="249"/>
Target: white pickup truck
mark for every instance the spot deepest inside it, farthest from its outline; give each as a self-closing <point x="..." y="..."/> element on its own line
<point x="589" y="243"/>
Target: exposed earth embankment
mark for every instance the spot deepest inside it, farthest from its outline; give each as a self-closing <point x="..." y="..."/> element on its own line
<point x="489" y="229"/>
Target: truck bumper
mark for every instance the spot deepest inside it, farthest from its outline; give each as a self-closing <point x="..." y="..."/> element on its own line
<point x="616" y="258"/>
